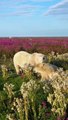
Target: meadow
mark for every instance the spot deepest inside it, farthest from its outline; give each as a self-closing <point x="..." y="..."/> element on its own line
<point x="29" y="97"/>
<point x="44" y="45"/>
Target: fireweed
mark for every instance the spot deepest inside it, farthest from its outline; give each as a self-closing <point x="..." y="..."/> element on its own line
<point x="9" y="46"/>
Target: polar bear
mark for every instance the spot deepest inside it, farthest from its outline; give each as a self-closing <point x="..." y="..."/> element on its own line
<point x="45" y="70"/>
<point x="23" y="59"/>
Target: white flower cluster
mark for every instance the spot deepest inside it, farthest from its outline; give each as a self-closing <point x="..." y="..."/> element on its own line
<point x="10" y="117"/>
<point x="4" y="71"/>
<point x="28" y="87"/>
<point x="60" y="81"/>
<point x="58" y="95"/>
<point x="18" y="104"/>
<point x="57" y="56"/>
<point x="63" y="56"/>
<point x="9" y="89"/>
<point x="45" y="85"/>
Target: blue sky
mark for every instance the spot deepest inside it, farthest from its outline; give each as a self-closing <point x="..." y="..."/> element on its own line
<point x="33" y="18"/>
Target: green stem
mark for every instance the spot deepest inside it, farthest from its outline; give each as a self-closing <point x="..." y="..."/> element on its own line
<point x="34" y="111"/>
<point x="26" y="108"/>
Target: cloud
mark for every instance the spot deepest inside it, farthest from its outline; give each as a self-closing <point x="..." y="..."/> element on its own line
<point x="60" y="8"/>
<point x="20" y="10"/>
<point x="26" y="7"/>
<point x="33" y="0"/>
<point x="41" y="0"/>
<point x="16" y="9"/>
<point x="21" y="7"/>
<point x="17" y="13"/>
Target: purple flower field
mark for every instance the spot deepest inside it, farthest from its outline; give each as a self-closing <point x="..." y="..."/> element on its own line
<point x="57" y="44"/>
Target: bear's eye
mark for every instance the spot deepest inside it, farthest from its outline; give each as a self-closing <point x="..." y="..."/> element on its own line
<point x="44" y="59"/>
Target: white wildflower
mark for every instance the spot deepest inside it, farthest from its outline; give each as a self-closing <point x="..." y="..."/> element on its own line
<point x="28" y="87"/>
<point x="9" y="89"/>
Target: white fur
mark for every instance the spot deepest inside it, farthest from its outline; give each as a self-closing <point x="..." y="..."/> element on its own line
<point x="23" y="59"/>
<point x="47" y="71"/>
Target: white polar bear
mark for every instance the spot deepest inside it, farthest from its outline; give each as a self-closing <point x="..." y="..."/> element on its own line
<point x="23" y="59"/>
<point x="45" y="70"/>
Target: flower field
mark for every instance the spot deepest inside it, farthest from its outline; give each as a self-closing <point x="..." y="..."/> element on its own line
<point x="42" y="44"/>
<point x="29" y="97"/>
